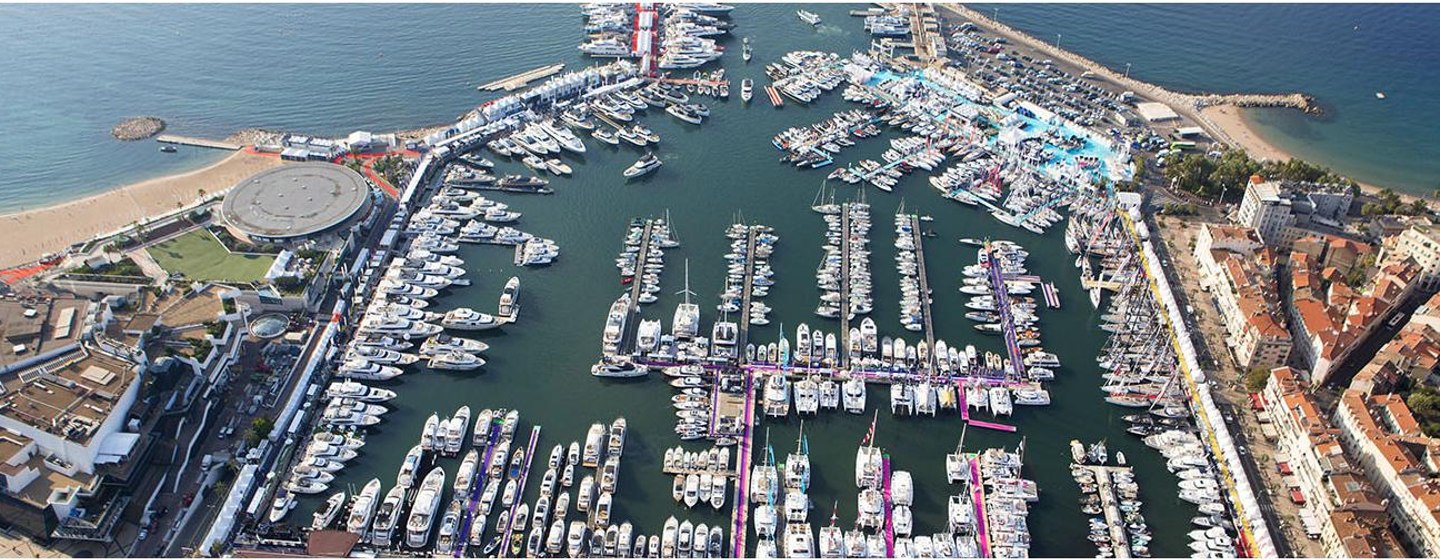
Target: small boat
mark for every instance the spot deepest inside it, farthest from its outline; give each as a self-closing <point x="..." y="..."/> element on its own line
<point x="811" y="18"/>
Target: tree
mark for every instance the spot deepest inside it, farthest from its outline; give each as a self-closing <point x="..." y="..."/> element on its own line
<point x="1192" y="173"/>
<point x="1424" y="402"/>
<point x="1256" y="378"/>
<point x="260" y="429"/>
<point x="1233" y="171"/>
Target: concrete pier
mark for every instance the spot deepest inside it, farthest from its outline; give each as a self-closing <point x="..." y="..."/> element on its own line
<point x="748" y="291"/>
<point x="197" y="142"/>
<point x="522" y="79"/>
<point x="627" y="339"/>
<point x="924" y="291"/>
<point x="1119" y="541"/>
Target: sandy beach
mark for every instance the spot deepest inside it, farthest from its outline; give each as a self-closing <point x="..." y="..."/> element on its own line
<point x="30" y="234"/>
<point x="1229" y="119"/>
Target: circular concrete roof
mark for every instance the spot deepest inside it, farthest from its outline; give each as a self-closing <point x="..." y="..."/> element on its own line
<point x="295" y="200"/>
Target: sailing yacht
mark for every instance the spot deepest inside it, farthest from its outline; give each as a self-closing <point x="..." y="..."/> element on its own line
<point x="797" y="464"/>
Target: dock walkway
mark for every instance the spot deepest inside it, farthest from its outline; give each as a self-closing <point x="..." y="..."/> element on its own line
<point x="198" y="142"/>
<point x="476" y="490"/>
<point x="925" y="311"/>
<point x="888" y="507"/>
<point x="524" y="474"/>
<point x="743" y="337"/>
<point x="845" y="310"/>
<point x="741" y="505"/>
<point x="627" y="338"/>
<point x="1113" y="518"/>
<point x="977" y="497"/>
<point x="1007" y="320"/>
<point x="522" y="79"/>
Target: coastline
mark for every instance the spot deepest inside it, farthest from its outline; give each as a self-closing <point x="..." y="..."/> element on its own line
<point x="1220" y="115"/>
<point x="117" y="207"/>
<point x="29" y="237"/>
<point x="30" y="234"/>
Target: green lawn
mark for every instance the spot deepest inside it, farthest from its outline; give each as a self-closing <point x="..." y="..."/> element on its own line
<point x="199" y="256"/>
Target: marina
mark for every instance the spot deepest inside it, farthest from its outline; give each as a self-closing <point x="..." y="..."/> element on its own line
<point x="742" y="372"/>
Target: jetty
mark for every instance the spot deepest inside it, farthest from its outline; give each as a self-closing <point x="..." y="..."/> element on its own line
<point x="743" y="336"/>
<point x="774" y="96"/>
<point x="1119" y="541"/>
<point x="198" y="142"/>
<point x="925" y="311"/>
<point x="740" y="506"/>
<point x="522" y="79"/>
<point x="477" y="489"/>
<point x="627" y="339"/>
<point x="846" y="314"/>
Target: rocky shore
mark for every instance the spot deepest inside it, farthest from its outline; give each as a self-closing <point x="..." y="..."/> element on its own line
<point x="137" y="128"/>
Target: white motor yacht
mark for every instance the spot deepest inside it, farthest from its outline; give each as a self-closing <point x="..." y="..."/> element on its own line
<point x="455" y="360"/>
<point x="466" y="319"/>
<point x="422" y="512"/>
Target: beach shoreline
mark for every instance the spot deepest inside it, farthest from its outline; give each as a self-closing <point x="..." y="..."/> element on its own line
<point x="31" y="234"/>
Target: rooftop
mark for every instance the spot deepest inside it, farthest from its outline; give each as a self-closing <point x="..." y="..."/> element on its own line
<point x="295" y="200"/>
<point x="69" y="396"/>
<point x="32" y="327"/>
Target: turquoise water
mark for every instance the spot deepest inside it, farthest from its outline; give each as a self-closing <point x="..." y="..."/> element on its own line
<point x="73" y="71"/>
<point x="1340" y="53"/>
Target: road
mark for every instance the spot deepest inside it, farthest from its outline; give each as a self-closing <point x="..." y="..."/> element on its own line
<point x="1224" y="375"/>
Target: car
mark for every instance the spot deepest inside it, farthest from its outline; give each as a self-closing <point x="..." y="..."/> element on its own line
<point x="143" y="534"/>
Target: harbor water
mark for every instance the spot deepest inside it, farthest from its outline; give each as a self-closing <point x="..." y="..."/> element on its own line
<point x="713" y="175"/>
<point x="418" y="65"/>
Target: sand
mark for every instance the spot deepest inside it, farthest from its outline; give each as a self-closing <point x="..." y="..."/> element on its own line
<point x="1228" y="118"/>
<point x="31" y="234"/>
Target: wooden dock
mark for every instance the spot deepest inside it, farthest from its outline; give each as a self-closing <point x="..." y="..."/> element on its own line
<point x="197" y="142"/>
<point x="522" y="79"/>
